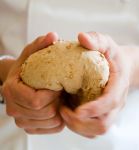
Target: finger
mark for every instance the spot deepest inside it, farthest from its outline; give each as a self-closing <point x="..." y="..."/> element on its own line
<point x="45" y="131"/>
<point x="88" y="127"/>
<point x="108" y="118"/>
<point x="17" y="111"/>
<point x="97" y="41"/>
<point x="40" y="43"/>
<point x="88" y="42"/>
<point x="33" y="124"/>
<point x="29" y="98"/>
<point x="110" y="98"/>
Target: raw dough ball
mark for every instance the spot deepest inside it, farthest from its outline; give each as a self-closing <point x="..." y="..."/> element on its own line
<point x="67" y="65"/>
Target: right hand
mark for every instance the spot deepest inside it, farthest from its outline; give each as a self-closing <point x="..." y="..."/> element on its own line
<point x="96" y="117"/>
<point x="36" y="111"/>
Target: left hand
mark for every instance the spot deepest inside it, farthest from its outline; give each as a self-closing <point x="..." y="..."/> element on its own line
<point x="36" y="111"/>
<point x="95" y="117"/>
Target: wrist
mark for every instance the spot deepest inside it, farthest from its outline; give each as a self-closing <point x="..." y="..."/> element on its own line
<point x="6" y="62"/>
<point x="132" y="59"/>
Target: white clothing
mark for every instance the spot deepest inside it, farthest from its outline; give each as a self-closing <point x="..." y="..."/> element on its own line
<point x="13" y="22"/>
<point x="22" y="21"/>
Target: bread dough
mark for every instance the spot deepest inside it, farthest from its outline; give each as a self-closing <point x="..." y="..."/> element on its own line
<point x="67" y="66"/>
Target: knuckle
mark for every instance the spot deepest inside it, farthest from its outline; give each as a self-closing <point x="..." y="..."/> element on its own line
<point x="27" y="47"/>
<point x="36" y="104"/>
<point x="95" y="110"/>
<point x="51" y="113"/>
<point x="12" y="112"/>
<point x="19" y="123"/>
<point x="47" y="113"/>
<point x="57" y="121"/>
<point x="59" y="129"/>
<point x="30" y="131"/>
<point x="50" y="96"/>
<point x="38" y="40"/>
<point x="102" y="128"/>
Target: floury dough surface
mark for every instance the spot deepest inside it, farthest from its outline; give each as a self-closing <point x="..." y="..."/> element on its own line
<point x="67" y="65"/>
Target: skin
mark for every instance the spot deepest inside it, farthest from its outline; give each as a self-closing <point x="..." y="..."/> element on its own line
<point x="95" y="117"/>
<point x="34" y="110"/>
<point x="37" y="112"/>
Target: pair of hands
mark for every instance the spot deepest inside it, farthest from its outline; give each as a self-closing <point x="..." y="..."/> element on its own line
<point x="38" y="111"/>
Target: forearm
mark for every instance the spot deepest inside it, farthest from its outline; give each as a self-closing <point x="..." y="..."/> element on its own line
<point x="132" y="53"/>
<point x="6" y="63"/>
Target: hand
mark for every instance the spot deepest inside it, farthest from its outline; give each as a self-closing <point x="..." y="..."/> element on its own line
<point x="34" y="110"/>
<point x="95" y="117"/>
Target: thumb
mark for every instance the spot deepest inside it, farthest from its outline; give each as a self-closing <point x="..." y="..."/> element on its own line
<point x="99" y="42"/>
<point x="109" y="100"/>
<point x="67" y="114"/>
<point x="38" y="44"/>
